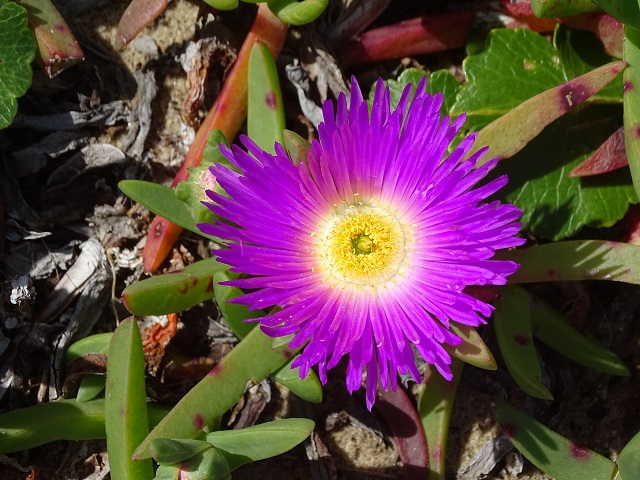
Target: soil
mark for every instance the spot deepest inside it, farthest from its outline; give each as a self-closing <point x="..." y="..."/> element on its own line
<point x="592" y="409"/>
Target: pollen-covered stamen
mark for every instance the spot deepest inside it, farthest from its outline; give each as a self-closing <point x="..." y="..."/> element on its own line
<point x="363" y="245"/>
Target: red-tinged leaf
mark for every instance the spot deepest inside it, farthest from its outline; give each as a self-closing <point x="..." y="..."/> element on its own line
<point x="631" y="102"/>
<point x="631" y="225"/>
<point x="418" y="36"/>
<point x="521" y="12"/>
<point x="227" y="115"/>
<point x="528" y="119"/>
<point x="58" y="49"/>
<point x="405" y="426"/>
<point x="609" y="157"/>
<point x="138" y="15"/>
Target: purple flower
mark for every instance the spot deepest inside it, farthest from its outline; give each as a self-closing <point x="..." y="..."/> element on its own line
<point x="368" y="246"/>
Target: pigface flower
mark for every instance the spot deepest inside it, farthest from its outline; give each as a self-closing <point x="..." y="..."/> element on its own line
<point x="367" y="246"/>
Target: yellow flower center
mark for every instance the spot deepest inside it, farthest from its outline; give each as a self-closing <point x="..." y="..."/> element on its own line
<point x="363" y="245"/>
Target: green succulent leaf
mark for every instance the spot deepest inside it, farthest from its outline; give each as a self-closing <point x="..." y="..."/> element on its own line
<point x="296" y="12"/>
<point x="260" y="441"/>
<point x="512" y="321"/>
<point x="173" y="292"/>
<point x="98" y="343"/>
<point x="576" y="260"/>
<point x="265" y="110"/>
<point x="126" y="421"/>
<point x="631" y="53"/>
<point x="166" y="451"/>
<point x="17" y="51"/>
<point x="31" y="427"/>
<point x="550" y="452"/>
<point x="629" y="459"/>
<point x="308" y="388"/>
<point x="550" y="327"/>
<point x="435" y="404"/>
<point x="472" y="350"/>
<point x="162" y="201"/>
<point x="234" y="314"/>
<point x="90" y="387"/>
<point x="253" y="359"/>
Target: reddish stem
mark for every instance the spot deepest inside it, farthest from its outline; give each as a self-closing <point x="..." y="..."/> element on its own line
<point x="227" y="114"/>
<point x="138" y="15"/>
<point x="418" y="36"/>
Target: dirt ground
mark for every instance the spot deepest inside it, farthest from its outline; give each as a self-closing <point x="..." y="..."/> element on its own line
<point x="594" y="410"/>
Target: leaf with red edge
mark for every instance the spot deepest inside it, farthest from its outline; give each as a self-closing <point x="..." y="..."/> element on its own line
<point x="609" y="157"/>
<point x="405" y="426"/>
<point x="138" y="15"/>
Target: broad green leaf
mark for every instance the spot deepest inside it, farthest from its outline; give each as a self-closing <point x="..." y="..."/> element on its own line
<point x="223" y="4"/>
<point x="550" y="452"/>
<point x="626" y="11"/>
<point x="629" y="459"/>
<point x="253" y="359"/>
<point x="98" y="343"/>
<point x="126" y="421"/>
<point x="17" y="51"/>
<point x="296" y="12"/>
<point x="556" y="206"/>
<point x="166" y="451"/>
<point x="576" y="260"/>
<point x="472" y="350"/>
<point x="435" y="403"/>
<point x="162" y="201"/>
<point x="168" y="472"/>
<point x="31" y="427"/>
<point x="581" y="52"/>
<point x="90" y="387"/>
<point x="631" y="53"/>
<point x="173" y="292"/>
<point x="234" y="314"/>
<point x="261" y="441"/>
<point x="307" y="388"/>
<point x="516" y="65"/>
<point x="561" y="8"/>
<point x="550" y="327"/>
<point x="512" y="321"/>
<point x="265" y="111"/>
<point x="440" y="81"/>
<point x="206" y="465"/>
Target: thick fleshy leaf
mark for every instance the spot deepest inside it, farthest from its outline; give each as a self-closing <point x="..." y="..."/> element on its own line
<point x="512" y="321"/>
<point x="629" y="459"/>
<point x="253" y="359"/>
<point x="631" y="53"/>
<point x="234" y="314"/>
<point x="626" y="12"/>
<point x="399" y="413"/>
<point x="17" y="51"/>
<point x="528" y="119"/>
<point x="435" y="403"/>
<point x="550" y="452"/>
<point x="296" y="12"/>
<point x="260" y="441"/>
<point x="126" y="421"/>
<point x="98" y="343"/>
<point x="308" y="388"/>
<point x="265" y="110"/>
<point x="561" y="8"/>
<point x="173" y="292"/>
<point x="223" y="4"/>
<point x="90" y="387"/>
<point x="576" y="260"/>
<point x="472" y="350"/>
<point x="60" y="420"/>
<point x="58" y="49"/>
<point x="611" y="156"/>
<point x="550" y="327"/>
<point x="138" y="15"/>
<point x="166" y="451"/>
